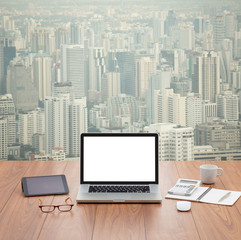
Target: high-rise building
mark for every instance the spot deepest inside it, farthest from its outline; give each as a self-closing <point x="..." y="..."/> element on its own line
<point x="7" y="53"/>
<point x="218" y="134"/>
<point x="7" y="111"/>
<point x="126" y="63"/>
<point x="158" y="81"/>
<point x="21" y="86"/>
<point x="176" y="143"/>
<point x="171" y="107"/>
<point x="42" y="74"/>
<point x="145" y="67"/>
<point x="8" y="23"/>
<point x="65" y="120"/>
<point x="206" y="78"/>
<point x="121" y="107"/>
<point x="230" y="25"/>
<point x="170" y="22"/>
<point x="158" y="28"/>
<point x="30" y="123"/>
<point x="61" y="37"/>
<point x="209" y="111"/>
<point x="110" y="85"/>
<point x="199" y="25"/>
<point x="187" y="38"/>
<point x="40" y="40"/>
<point x="226" y="57"/>
<point x="57" y="123"/>
<point x="78" y="123"/>
<point x="76" y="34"/>
<point x="62" y="88"/>
<point x="3" y="138"/>
<point x="218" y="30"/>
<point x="97" y="68"/>
<point x="227" y="106"/>
<point x="193" y="110"/>
<point x="73" y="68"/>
<point x="237" y="45"/>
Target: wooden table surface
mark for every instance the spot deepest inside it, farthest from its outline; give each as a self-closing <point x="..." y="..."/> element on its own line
<point x="20" y="217"/>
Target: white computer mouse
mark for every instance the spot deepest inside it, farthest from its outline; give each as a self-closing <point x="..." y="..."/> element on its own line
<point x="183" y="206"/>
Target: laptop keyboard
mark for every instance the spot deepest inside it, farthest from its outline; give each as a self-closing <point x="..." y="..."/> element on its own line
<point x="119" y="189"/>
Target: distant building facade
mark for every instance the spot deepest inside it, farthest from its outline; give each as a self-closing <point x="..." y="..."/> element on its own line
<point x="176" y="143"/>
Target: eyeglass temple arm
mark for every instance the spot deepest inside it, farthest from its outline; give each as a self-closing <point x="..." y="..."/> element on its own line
<point x="69" y="198"/>
<point x="66" y="200"/>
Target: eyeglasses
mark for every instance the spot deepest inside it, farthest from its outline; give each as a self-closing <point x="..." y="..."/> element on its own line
<point x="62" y="208"/>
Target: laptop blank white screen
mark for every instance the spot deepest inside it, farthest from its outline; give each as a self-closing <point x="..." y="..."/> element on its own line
<point x="119" y="159"/>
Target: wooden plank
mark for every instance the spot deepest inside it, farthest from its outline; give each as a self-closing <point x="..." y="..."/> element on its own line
<point x="212" y="221"/>
<point x="77" y="224"/>
<point x="21" y="218"/>
<point x="163" y="221"/>
<point x="119" y="221"/>
<point x="231" y="178"/>
<point x="11" y="173"/>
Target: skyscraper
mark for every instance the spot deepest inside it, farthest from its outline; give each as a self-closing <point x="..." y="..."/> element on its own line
<point x="227" y="106"/>
<point x="206" y="78"/>
<point x="7" y="111"/>
<point x="61" y="37"/>
<point x="40" y="40"/>
<point x="193" y="110"/>
<point x="57" y="123"/>
<point x="145" y="67"/>
<point x="176" y="143"/>
<point x="3" y="138"/>
<point x="78" y="123"/>
<point x="237" y="45"/>
<point x="21" y="86"/>
<point x="73" y="68"/>
<point x="126" y="63"/>
<point x="110" y="85"/>
<point x="7" y="53"/>
<point x="218" y="30"/>
<point x="31" y="123"/>
<point x="97" y="68"/>
<point x="65" y="120"/>
<point x="158" y="81"/>
<point x="42" y="74"/>
<point x="171" y="107"/>
<point x="187" y="38"/>
<point x="230" y="25"/>
<point x="199" y="25"/>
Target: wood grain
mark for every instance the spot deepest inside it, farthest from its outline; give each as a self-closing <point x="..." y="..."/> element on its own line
<point x="164" y="221"/>
<point x="10" y="175"/>
<point x="210" y="218"/>
<point x="21" y="217"/>
<point x="119" y="221"/>
<point x="81" y="218"/>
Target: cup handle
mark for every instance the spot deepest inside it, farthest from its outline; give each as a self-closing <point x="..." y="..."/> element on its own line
<point x="219" y="174"/>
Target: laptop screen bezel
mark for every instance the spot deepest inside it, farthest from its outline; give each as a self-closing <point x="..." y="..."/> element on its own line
<point x="84" y="135"/>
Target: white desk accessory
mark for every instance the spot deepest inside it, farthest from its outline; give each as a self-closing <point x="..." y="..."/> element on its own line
<point x="183" y="206"/>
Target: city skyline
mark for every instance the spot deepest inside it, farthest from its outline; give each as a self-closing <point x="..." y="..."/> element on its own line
<point x="74" y="66"/>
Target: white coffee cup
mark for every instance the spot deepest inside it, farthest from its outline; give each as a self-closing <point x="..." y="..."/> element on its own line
<point x="209" y="173"/>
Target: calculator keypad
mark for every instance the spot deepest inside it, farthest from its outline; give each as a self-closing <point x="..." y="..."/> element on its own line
<point x="182" y="189"/>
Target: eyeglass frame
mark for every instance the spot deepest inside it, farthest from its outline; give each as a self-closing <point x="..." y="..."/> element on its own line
<point x="56" y="206"/>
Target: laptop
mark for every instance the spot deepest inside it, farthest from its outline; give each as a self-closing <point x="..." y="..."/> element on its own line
<point x="119" y="168"/>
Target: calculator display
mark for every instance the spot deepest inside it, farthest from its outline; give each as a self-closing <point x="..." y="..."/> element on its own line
<point x="188" y="182"/>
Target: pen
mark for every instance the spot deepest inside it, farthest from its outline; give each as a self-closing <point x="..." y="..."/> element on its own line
<point x="224" y="197"/>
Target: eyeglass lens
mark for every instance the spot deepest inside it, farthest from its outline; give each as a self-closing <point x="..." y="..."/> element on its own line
<point x="61" y="208"/>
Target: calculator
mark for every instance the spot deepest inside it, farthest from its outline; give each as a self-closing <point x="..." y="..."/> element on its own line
<point x="184" y="187"/>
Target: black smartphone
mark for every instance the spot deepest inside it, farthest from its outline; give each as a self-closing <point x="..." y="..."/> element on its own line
<point x="44" y="185"/>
